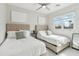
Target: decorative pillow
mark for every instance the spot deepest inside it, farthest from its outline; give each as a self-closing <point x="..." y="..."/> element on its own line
<point x="43" y="33"/>
<point x="48" y="32"/>
<point x="20" y="35"/>
<point x="11" y="34"/>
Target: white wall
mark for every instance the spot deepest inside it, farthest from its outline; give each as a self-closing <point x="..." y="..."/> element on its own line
<point x="2" y="21"/>
<point x="66" y="32"/>
<point x="31" y="16"/>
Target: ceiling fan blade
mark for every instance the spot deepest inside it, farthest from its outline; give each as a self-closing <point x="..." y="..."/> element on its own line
<point x="47" y="8"/>
<point x="39" y="8"/>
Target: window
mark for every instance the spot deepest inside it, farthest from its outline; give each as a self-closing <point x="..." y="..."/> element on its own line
<point x="66" y="21"/>
<point x="57" y="22"/>
<point x="18" y="17"/>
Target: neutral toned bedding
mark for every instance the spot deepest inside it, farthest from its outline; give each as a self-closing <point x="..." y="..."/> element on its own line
<point x="24" y="47"/>
<point x="54" y="39"/>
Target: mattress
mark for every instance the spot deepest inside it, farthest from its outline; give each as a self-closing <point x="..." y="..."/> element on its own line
<point x="22" y="47"/>
<point x="54" y="39"/>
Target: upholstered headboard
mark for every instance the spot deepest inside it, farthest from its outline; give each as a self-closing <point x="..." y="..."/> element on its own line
<point x="41" y="27"/>
<point x="16" y="27"/>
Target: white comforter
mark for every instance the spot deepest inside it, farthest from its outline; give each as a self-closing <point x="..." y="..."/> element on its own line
<point x="54" y="39"/>
<point x="23" y="47"/>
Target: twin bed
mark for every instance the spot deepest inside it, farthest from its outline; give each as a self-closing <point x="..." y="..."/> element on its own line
<point x="52" y="41"/>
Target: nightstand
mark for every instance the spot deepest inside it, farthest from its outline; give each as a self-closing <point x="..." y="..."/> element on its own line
<point x="34" y="34"/>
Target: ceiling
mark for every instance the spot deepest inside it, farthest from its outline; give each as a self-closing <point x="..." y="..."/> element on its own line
<point x="34" y="6"/>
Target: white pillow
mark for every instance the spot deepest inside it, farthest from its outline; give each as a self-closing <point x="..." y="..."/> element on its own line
<point x="26" y="32"/>
<point x="43" y="33"/>
<point x="11" y="34"/>
<point x="49" y="32"/>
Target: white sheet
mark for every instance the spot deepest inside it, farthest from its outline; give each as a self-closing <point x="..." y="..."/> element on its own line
<point x="29" y="47"/>
<point x="54" y="39"/>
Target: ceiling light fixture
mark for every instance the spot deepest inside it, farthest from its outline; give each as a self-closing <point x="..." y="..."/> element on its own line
<point x="43" y="5"/>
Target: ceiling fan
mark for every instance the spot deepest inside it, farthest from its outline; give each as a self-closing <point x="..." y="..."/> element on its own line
<point x="43" y="5"/>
